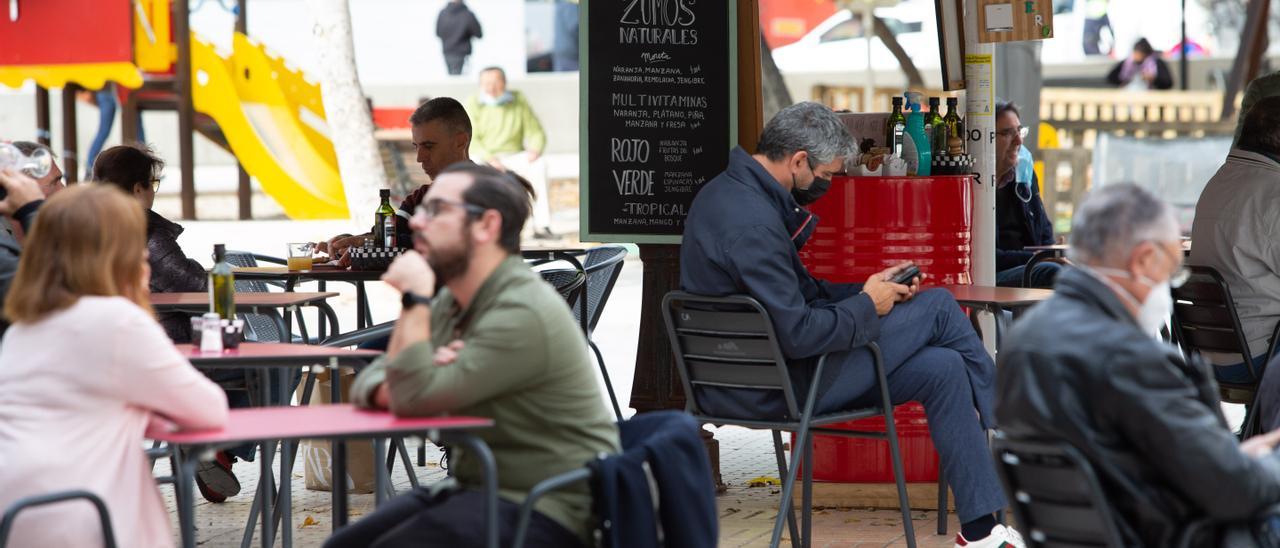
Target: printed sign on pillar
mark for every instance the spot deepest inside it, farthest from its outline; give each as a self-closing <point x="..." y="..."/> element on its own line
<point x="1014" y="20"/>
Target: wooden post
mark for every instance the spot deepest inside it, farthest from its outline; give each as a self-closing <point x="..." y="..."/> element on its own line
<point x="186" y="108"/>
<point x="244" y="192"/>
<point x="1245" y="66"/>
<point x="44" y="133"/>
<point x="70" y="166"/>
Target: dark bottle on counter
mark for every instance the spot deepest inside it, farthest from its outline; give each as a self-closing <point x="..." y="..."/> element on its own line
<point x="955" y="126"/>
<point x="222" y="285"/>
<point x="384" y="227"/>
<point x="895" y="128"/>
<point x="936" y="128"/>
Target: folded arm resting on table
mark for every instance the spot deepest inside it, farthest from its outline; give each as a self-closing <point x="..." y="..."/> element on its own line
<point x="494" y="360"/>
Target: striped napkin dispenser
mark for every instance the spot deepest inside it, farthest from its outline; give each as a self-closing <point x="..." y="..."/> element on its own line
<point x="373" y="258"/>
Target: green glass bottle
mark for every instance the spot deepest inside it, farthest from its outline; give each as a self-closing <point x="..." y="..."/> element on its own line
<point x="895" y="128"/>
<point x="955" y="126"/>
<point x="935" y="128"/>
<point x="384" y="226"/>
<point x="222" y="285"/>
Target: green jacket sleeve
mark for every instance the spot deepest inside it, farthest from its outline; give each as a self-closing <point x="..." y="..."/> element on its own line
<point x="368" y="380"/>
<point x="534" y="138"/>
<point x="499" y="357"/>
<point x="478" y="152"/>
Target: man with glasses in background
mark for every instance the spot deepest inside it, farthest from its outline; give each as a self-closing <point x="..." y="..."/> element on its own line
<point x="1021" y="219"/>
<point x="1087" y="367"/>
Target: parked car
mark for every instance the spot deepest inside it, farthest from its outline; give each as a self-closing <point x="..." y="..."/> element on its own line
<point x="839" y="43"/>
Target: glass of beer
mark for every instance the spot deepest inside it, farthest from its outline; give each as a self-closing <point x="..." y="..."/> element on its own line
<point x="300" y="255"/>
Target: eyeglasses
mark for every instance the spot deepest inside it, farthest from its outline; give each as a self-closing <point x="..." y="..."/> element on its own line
<point x="431" y="208"/>
<point x="1020" y="131"/>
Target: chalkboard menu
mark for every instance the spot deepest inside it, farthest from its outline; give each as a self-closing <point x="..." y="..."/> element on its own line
<point x="658" y="114"/>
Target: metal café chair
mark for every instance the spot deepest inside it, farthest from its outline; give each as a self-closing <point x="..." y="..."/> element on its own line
<point x="1205" y="320"/>
<point x="728" y="343"/>
<point x="1058" y="499"/>
<point x="104" y="517"/>
<point x="586" y="300"/>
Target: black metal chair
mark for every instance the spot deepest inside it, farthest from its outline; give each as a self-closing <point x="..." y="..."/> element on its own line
<point x="1056" y="496"/>
<point x="582" y="296"/>
<point x="1205" y="320"/>
<point x="104" y="517"/>
<point x="728" y="343"/>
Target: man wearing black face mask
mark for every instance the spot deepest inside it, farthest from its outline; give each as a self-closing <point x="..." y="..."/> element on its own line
<point x="741" y="237"/>
<point x="806" y="196"/>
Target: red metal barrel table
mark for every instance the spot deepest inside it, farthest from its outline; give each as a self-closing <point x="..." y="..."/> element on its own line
<point x="867" y="224"/>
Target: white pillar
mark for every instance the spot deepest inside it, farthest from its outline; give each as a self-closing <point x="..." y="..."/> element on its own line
<point x="980" y="124"/>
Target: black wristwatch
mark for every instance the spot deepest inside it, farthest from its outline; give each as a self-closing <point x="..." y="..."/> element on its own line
<point x="409" y="299"/>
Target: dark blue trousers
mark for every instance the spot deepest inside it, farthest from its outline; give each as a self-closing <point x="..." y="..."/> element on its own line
<point x="933" y="356"/>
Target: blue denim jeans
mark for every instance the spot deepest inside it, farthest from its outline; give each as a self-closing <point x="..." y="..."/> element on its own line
<point x="933" y="356"/>
<point x="107" y="104"/>
<point x="1042" y="275"/>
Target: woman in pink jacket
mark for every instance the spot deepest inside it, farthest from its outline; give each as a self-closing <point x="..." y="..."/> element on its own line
<point x="84" y="369"/>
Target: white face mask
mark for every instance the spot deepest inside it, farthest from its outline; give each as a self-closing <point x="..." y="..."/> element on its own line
<point x="1154" y="312"/>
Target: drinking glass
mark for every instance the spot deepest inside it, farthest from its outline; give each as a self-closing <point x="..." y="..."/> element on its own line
<point x="37" y="165"/>
<point x="300" y="254"/>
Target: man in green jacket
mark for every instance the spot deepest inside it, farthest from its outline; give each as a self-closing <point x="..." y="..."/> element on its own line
<point x="498" y="342"/>
<point x="506" y="134"/>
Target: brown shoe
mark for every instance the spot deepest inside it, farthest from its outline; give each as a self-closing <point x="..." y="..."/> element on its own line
<point x="215" y="479"/>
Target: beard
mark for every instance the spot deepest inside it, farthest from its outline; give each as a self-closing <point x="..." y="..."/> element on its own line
<point x="448" y="263"/>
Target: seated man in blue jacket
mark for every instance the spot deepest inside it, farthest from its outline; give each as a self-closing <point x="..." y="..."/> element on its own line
<point x="1020" y="217"/>
<point x="741" y="238"/>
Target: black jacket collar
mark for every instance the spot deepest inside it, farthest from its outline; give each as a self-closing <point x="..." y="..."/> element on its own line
<point x="798" y="221"/>
<point x="158" y="225"/>
<point x="1077" y="284"/>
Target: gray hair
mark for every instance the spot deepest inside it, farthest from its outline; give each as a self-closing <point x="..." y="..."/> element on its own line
<point x="807" y="126"/>
<point x="1114" y="219"/>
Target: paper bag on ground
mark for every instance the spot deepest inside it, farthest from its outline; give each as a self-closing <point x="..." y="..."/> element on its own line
<point x="317" y="455"/>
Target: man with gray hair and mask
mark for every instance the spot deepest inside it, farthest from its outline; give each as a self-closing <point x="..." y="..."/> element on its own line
<point x="742" y="236"/>
<point x="1087" y="367"/>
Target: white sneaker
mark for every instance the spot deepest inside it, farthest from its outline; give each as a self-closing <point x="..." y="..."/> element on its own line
<point x="1000" y="537"/>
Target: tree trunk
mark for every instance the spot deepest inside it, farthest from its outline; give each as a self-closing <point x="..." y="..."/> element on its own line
<point x="350" y="123"/>
<point x="776" y="94"/>
<point x="914" y="80"/>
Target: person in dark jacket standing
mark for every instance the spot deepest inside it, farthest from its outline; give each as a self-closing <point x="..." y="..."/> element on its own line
<point x="1086" y="367"/>
<point x="137" y="171"/>
<point x="456" y="26"/>
<point x="740" y="238"/>
<point x="1020" y="216"/>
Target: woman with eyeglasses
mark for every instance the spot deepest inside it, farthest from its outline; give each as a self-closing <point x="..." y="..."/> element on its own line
<point x="138" y="171"/>
<point x="1021" y="219"/>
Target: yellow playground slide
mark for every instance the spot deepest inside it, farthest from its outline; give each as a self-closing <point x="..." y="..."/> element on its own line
<point x="273" y="119"/>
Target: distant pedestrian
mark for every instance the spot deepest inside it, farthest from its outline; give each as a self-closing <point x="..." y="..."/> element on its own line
<point x="1142" y="70"/>
<point x="1095" y="21"/>
<point x="564" y="54"/>
<point x="457" y="26"/>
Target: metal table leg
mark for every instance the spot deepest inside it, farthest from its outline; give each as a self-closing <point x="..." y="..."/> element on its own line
<point x="186" y="476"/>
<point x="382" y="481"/>
<point x="481" y="451"/>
